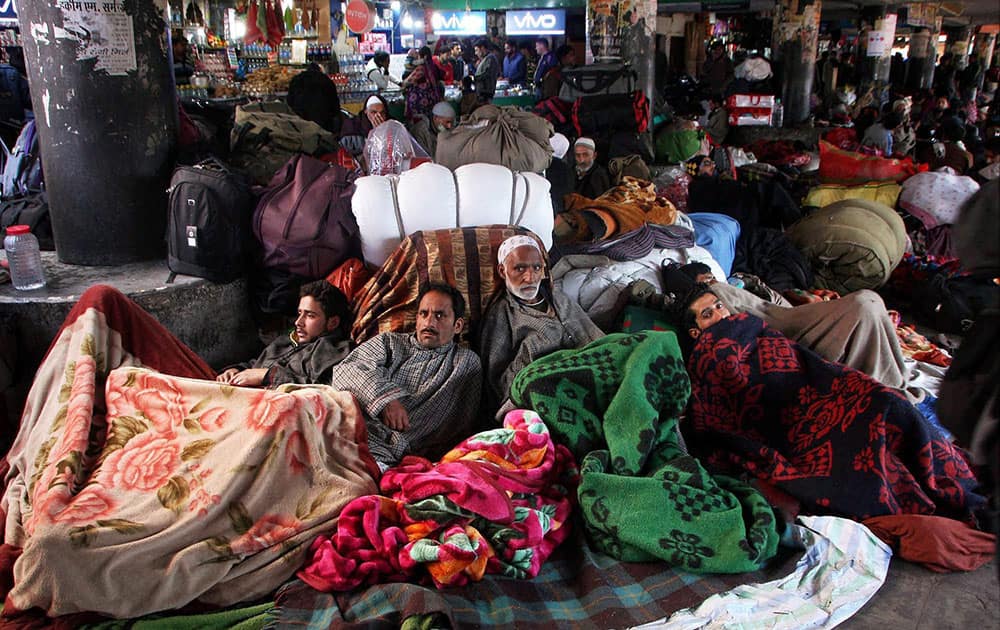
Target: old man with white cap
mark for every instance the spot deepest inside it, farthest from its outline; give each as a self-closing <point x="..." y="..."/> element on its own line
<point x="592" y="179"/>
<point x="527" y="320"/>
<point x="426" y="131"/>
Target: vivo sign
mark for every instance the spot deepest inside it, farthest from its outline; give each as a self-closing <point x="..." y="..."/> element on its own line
<point x="459" y="22"/>
<point x="539" y="22"/>
<point x="8" y="10"/>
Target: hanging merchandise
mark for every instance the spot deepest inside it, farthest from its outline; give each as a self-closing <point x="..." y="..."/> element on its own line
<point x="253" y="34"/>
<point x="306" y="17"/>
<point x="274" y="34"/>
<point x="289" y="19"/>
<point x="193" y="15"/>
<point x="262" y="19"/>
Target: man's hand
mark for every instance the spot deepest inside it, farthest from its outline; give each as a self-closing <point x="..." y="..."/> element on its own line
<point x="395" y="417"/>
<point x="227" y="376"/>
<point x="253" y="377"/>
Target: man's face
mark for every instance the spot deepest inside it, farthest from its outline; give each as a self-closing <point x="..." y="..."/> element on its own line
<point x="708" y="309"/>
<point x="584" y="157"/>
<point x="717" y="52"/>
<point x="480" y="51"/>
<point x="523" y="271"/>
<point x="569" y="59"/>
<point x="312" y="322"/>
<point x="180" y="48"/>
<point x="456" y="51"/>
<point x="509" y="49"/>
<point x="540" y="48"/>
<point x="441" y="123"/>
<point x="942" y="103"/>
<point x="436" y="321"/>
<point x="376" y="114"/>
<point x="706" y="166"/>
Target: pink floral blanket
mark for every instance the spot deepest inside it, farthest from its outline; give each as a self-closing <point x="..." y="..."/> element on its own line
<point x="132" y="491"/>
<point x="497" y="503"/>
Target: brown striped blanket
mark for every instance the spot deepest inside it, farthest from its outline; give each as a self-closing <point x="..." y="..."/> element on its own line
<point x="465" y="258"/>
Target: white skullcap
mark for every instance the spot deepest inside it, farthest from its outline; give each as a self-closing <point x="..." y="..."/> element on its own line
<point x="585" y="142"/>
<point x="559" y="144"/>
<point x="513" y="243"/>
<point x="372" y="100"/>
<point x="443" y="110"/>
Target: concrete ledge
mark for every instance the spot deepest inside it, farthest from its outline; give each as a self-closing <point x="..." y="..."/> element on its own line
<point x="212" y="319"/>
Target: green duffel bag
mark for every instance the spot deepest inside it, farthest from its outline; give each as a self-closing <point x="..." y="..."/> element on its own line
<point x="266" y="135"/>
<point x="852" y="244"/>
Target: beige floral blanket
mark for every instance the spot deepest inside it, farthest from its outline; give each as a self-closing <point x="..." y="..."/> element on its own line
<point x="133" y="491"/>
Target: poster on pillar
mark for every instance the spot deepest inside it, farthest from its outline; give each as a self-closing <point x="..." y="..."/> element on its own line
<point x="880" y="38"/>
<point x="620" y="29"/>
<point x="102" y="31"/>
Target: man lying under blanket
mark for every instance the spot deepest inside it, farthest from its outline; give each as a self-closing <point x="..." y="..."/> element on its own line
<point x="830" y="436"/>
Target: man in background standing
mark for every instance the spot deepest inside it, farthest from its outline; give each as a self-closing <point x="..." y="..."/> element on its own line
<point x="515" y="67"/>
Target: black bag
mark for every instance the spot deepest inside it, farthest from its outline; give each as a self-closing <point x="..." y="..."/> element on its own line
<point x="951" y="304"/>
<point x="32" y="210"/>
<point x="208" y="230"/>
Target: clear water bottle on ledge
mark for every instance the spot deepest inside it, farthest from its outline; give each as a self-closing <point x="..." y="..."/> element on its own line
<point x="24" y="258"/>
<point x="778" y="114"/>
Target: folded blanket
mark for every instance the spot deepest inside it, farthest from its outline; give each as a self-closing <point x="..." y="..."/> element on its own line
<point x="615" y="403"/>
<point x="622" y="209"/>
<point x="830" y="436"/>
<point x="133" y="491"/>
<point x="496" y="503"/>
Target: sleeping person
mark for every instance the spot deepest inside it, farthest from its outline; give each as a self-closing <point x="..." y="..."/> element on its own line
<point x="854" y="330"/>
<point x="833" y="438"/>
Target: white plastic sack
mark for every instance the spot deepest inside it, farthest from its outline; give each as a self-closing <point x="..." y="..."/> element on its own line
<point x="431" y="197"/>
<point x="390" y="148"/>
<point x="753" y="69"/>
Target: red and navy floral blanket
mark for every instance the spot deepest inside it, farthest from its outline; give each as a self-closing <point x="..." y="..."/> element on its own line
<point x="830" y="436"/>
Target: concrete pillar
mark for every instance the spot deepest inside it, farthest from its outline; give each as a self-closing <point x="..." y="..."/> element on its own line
<point x="794" y="42"/>
<point x="878" y="56"/>
<point x="958" y="45"/>
<point x="920" y="65"/>
<point x="102" y="87"/>
<point x="983" y="48"/>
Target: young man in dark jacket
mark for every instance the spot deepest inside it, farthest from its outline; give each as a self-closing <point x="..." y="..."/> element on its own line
<point x="308" y="354"/>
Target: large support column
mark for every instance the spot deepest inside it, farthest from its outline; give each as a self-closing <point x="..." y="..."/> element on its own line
<point x="958" y="45"/>
<point x="878" y="55"/>
<point x="983" y="50"/>
<point x="920" y="65"/>
<point x="794" y="42"/>
<point x="102" y="87"/>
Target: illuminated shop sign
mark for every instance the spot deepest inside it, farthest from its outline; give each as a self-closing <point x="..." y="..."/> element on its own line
<point x="459" y="22"/>
<point x="537" y="22"/>
<point x="8" y="11"/>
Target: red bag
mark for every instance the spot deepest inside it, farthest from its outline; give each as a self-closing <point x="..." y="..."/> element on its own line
<point x="349" y="277"/>
<point x="837" y="166"/>
<point x="304" y="220"/>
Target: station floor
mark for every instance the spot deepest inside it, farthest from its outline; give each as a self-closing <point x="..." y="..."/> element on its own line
<point x="915" y="598"/>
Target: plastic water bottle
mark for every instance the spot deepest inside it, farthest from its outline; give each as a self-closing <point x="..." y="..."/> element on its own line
<point x="24" y="258"/>
<point x="778" y="114"/>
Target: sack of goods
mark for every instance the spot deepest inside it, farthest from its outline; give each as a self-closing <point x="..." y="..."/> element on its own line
<point x="208" y="224"/>
<point x="266" y="135"/>
<point x="491" y="135"/>
<point x="431" y="197"/>
<point x="303" y="220"/>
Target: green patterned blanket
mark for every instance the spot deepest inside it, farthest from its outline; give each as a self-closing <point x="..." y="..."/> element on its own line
<point x="615" y="403"/>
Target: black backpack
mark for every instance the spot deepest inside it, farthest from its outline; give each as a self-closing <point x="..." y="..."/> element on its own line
<point x="951" y="304"/>
<point x="208" y="230"/>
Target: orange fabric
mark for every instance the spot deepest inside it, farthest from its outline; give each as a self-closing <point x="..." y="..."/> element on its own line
<point x="940" y="544"/>
<point x="349" y="277"/>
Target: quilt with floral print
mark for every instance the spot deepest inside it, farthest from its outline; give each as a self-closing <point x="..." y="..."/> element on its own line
<point x="832" y="437"/>
<point x="131" y="490"/>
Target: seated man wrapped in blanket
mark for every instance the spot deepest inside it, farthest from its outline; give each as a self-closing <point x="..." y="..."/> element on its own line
<point x="138" y="483"/>
<point x="828" y="435"/>
<point x="419" y="391"/>
<point x="526" y="320"/>
<point x="854" y="330"/>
